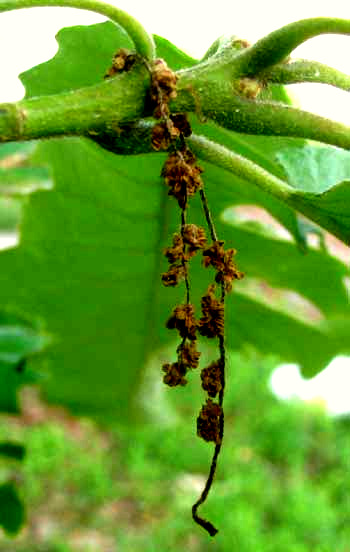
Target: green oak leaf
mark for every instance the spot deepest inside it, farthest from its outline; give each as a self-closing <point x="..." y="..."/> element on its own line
<point x="315" y="168"/>
<point x="90" y="254"/>
<point x="321" y="178"/>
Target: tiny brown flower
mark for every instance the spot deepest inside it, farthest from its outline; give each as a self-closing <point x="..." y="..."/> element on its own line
<point x="181" y="122"/>
<point x="208" y="422"/>
<point x="176" y="252"/>
<point x="163" y="135"/>
<point x="211" y="378"/>
<point x="194" y="236"/>
<point x="163" y="87"/>
<point x="188" y="354"/>
<point x="182" y="175"/>
<point x="123" y="60"/>
<point x="174" y="374"/>
<point x="214" y="255"/>
<point x="182" y="319"/>
<point x="222" y="261"/>
<point x="230" y="272"/>
<point x="212" y="322"/>
<point x="173" y="276"/>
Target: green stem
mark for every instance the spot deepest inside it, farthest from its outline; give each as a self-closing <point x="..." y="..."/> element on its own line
<point x="212" y="97"/>
<point x="102" y="108"/>
<point x="303" y="70"/>
<point x="94" y="109"/>
<point x="246" y="169"/>
<point x="143" y="42"/>
<point x="277" y="46"/>
<point x="239" y="166"/>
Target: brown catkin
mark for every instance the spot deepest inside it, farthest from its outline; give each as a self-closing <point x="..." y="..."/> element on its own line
<point x="182" y="176"/>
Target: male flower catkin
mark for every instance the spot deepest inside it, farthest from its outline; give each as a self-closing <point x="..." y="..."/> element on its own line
<point x="182" y="176"/>
<point x="211" y="378"/>
<point x="211" y="324"/>
<point x="222" y="261"/>
<point x="208" y="422"/>
<point x="174" y="374"/>
<point x="183" y="320"/>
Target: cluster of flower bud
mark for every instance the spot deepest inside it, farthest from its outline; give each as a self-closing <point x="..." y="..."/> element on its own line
<point x="122" y="61"/>
<point x="210" y="325"/>
<point x="183" y="320"/>
<point x="185" y="246"/>
<point x="208" y="422"/>
<point x="211" y="378"/>
<point x="163" y="88"/>
<point x="222" y="261"/>
<point x="182" y="175"/>
<point x="165" y="132"/>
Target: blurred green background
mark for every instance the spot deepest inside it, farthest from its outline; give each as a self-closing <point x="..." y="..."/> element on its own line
<point x="282" y="481"/>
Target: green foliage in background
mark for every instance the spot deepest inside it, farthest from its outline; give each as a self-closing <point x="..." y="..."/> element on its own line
<point x="18" y="178"/>
<point x="281" y="482"/>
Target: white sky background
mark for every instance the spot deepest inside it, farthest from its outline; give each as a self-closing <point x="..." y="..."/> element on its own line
<point x="27" y="37"/>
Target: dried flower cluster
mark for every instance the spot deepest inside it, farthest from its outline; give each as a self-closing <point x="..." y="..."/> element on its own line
<point x="223" y="262"/>
<point x="211" y="325"/>
<point x="123" y="60"/>
<point x="208" y="422"/>
<point x="183" y="177"/>
<point x="212" y="322"/>
<point x="163" y="88"/>
<point x="164" y="133"/>
<point x="182" y="319"/>
<point x="185" y="246"/>
<point x="211" y="378"/>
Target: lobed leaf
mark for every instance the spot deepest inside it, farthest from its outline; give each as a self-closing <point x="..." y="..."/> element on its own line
<point x="90" y="255"/>
<point x="321" y="177"/>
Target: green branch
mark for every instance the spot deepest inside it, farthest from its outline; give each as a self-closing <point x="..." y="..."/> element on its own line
<point x="246" y="169"/>
<point x="104" y="106"/>
<point x="211" y="89"/>
<point x="210" y="94"/>
<point x="142" y="40"/>
<point x="276" y="47"/>
<point x="306" y="71"/>
<point x="121" y="100"/>
<point x="239" y="166"/>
